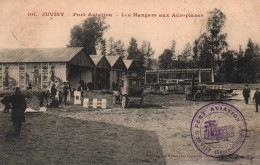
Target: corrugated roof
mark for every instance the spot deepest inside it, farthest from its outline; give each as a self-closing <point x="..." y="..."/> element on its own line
<point x="38" y="54"/>
<point x="112" y="60"/>
<point x="96" y="58"/>
<point x="128" y="63"/>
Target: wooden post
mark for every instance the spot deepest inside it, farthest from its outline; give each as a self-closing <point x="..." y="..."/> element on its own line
<point x="145" y="77"/>
<point x="158" y="76"/>
<point x="2" y="76"/>
<point x="104" y="103"/>
<point x="199" y="75"/>
<point x="41" y="76"/>
<point x="19" y="75"/>
<point x="25" y="82"/>
<point x="212" y="75"/>
<point x="94" y="78"/>
<point x="86" y="103"/>
<point x="95" y="103"/>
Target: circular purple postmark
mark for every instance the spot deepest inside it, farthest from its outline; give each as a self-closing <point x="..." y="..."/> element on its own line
<point x="218" y="129"/>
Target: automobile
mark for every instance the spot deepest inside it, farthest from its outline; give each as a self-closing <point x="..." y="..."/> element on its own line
<point x="130" y="92"/>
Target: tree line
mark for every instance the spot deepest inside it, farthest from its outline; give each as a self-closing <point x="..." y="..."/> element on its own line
<point x="209" y="50"/>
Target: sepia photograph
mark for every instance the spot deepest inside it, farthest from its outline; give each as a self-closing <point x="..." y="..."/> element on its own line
<point x="129" y="82"/>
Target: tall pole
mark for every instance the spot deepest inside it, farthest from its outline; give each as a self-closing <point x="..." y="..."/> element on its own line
<point x="158" y="76"/>
<point x="145" y="77"/>
<point x="199" y="75"/>
<point x="212" y="75"/>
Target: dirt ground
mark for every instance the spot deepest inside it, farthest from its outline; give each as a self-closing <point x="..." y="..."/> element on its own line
<point x="159" y="133"/>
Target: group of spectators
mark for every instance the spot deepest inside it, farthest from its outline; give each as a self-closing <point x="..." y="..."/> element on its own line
<point x="63" y="94"/>
<point x="256" y="98"/>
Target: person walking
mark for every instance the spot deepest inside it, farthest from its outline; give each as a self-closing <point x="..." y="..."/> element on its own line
<point x="18" y="104"/>
<point x="256" y="98"/>
<point x="246" y="94"/>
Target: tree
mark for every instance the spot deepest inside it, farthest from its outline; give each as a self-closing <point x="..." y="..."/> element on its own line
<point x="202" y="52"/>
<point x="210" y="45"/>
<point x="132" y="49"/>
<point x="195" y="57"/>
<point x="165" y="59"/>
<point x="115" y="48"/>
<point x="250" y="64"/>
<point x="110" y="50"/>
<point x="119" y="48"/>
<point x="88" y="34"/>
<point x="102" y="47"/>
<point x="137" y="55"/>
<point x="173" y="50"/>
<point x="239" y="72"/>
<point x="217" y="41"/>
<point x="187" y="52"/>
<point x="148" y="53"/>
<point x="228" y="65"/>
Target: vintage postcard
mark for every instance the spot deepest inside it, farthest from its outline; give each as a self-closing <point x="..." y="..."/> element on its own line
<point x="129" y="82"/>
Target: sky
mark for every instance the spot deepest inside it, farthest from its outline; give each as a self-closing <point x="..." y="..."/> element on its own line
<point x="18" y="30"/>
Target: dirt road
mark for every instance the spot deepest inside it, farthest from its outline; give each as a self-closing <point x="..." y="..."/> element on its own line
<point x="159" y="133"/>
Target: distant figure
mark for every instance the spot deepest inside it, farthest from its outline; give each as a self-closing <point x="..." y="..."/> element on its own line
<point x="6" y="77"/>
<point x="18" y="108"/>
<point x="60" y="97"/>
<point x="85" y="86"/>
<point x="65" y="92"/>
<point x="54" y="102"/>
<point x="52" y="73"/>
<point x="257" y="99"/>
<point x="29" y="85"/>
<point x="246" y="94"/>
<point x="43" y="95"/>
<point x="6" y="102"/>
<point x="69" y="93"/>
<point x="80" y="89"/>
<point x="90" y="86"/>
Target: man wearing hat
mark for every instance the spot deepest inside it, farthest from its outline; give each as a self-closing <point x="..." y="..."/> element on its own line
<point x="18" y="104"/>
<point x="257" y="99"/>
<point x="246" y="94"/>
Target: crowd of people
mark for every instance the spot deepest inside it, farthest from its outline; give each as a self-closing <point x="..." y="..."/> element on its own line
<point x="256" y="97"/>
<point x="63" y="94"/>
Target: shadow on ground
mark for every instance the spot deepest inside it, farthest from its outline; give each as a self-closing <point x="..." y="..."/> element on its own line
<point x="49" y="139"/>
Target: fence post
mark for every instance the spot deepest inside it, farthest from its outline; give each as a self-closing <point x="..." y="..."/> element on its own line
<point x="77" y="97"/>
<point x="86" y="103"/>
<point x="95" y="103"/>
<point x="104" y="103"/>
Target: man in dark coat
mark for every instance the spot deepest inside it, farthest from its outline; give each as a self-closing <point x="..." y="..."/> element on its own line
<point x="257" y="99"/>
<point x="246" y="94"/>
<point x="18" y="104"/>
